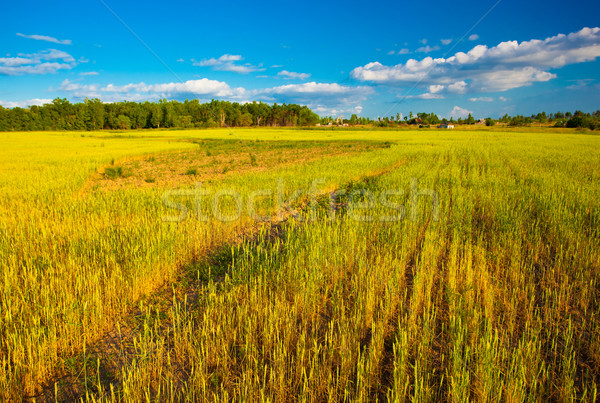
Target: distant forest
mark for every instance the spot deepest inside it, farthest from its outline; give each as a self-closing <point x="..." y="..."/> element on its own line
<point x="93" y="114"/>
<point x="559" y="119"/>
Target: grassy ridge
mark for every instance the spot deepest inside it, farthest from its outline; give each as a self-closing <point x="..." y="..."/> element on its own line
<point x="496" y="299"/>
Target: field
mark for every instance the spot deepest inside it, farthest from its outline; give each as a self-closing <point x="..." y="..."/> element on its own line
<point x="404" y="265"/>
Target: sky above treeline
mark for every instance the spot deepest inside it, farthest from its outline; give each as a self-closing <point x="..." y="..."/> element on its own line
<point x="339" y="58"/>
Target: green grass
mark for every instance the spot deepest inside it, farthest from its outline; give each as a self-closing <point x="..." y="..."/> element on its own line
<point x="113" y="172"/>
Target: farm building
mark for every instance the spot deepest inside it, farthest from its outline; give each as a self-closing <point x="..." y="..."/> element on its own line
<point x="446" y="126"/>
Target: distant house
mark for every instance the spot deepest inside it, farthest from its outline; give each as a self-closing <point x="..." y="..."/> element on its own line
<point x="446" y="126"/>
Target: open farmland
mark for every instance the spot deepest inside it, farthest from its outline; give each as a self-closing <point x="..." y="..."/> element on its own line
<point x="407" y="265"/>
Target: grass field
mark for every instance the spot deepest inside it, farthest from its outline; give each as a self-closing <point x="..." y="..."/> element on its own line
<point x="450" y="265"/>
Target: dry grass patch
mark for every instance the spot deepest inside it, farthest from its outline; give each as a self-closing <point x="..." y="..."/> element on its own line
<point x="216" y="159"/>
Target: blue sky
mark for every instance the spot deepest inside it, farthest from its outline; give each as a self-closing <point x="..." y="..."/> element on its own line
<point x="373" y="59"/>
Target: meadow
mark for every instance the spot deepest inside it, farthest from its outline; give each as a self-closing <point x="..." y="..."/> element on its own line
<point x="407" y="265"/>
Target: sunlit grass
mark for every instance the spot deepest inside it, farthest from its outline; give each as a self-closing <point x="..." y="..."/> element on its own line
<point x="496" y="300"/>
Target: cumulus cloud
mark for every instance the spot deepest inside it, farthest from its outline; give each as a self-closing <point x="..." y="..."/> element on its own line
<point x="446" y="41"/>
<point x="227" y="62"/>
<point x="459" y="87"/>
<point x="26" y="103"/>
<point x="473" y="37"/>
<point x="46" y="38"/>
<point x="44" y="62"/>
<point x="324" y="98"/>
<point x="203" y="89"/>
<point x="293" y="75"/>
<point x="508" y="65"/>
<point x="80" y="91"/>
<point x="459" y="112"/>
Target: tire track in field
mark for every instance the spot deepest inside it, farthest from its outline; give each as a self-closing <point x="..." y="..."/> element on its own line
<point x="116" y="350"/>
<point x="441" y="344"/>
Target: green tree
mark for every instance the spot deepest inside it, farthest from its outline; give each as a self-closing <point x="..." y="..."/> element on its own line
<point x="123" y="122"/>
<point x="245" y="119"/>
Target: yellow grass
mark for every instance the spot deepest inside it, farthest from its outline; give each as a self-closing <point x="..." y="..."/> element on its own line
<point x="498" y="299"/>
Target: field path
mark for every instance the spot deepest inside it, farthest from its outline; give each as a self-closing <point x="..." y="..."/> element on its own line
<point x="97" y="372"/>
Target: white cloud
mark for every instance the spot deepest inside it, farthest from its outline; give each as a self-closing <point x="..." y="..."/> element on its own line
<point x="25" y="104"/>
<point x="459" y="112"/>
<point x="203" y="88"/>
<point x="459" y="87"/>
<point x="402" y="51"/>
<point x="503" y="99"/>
<point x="318" y="88"/>
<point x="473" y="37"/>
<point x="335" y="111"/>
<point x="435" y="88"/>
<point x="427" y="49"/>
<point x="80" y="91"/>
<point x="508" y="65"/>
<point x="227" y="62"/>
<point x="427" y="95"/>
<point x="324" y="98"/>
<point x="423" y="41"/>
<point x="482" y="99"/>
<point x="44" y="62"/>
<point x="47" y="39"/>
<point x="446" y="41"/>
<point x="89" y="73"/>
<point x="293" y="75"/>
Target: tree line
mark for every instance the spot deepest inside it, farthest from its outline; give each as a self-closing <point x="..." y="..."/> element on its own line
<point x="559" y="119"/>
<point x="93" y="114"/>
